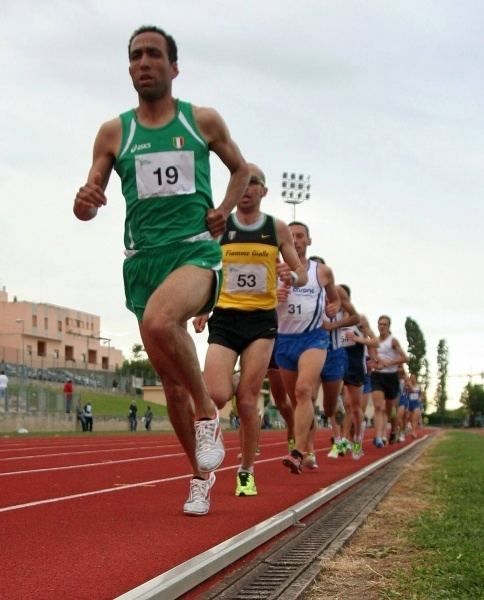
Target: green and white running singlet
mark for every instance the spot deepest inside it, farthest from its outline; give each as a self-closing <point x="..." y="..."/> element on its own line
<point x="165" y="177"/>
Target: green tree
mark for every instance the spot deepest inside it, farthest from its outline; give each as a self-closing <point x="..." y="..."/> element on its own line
<point x="139" y="366"/>
<point x="416" y="346"/>
<point x="137" y="350"/>
<point x="425" y="382"/>
<point x="442" y="368"/>
<point x="472" y="398"/>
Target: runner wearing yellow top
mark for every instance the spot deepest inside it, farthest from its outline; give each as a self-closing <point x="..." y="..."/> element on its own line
<point x="244" y="321"/>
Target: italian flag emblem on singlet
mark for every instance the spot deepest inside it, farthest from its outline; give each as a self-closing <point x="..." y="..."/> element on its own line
<point x="178" y="142"/>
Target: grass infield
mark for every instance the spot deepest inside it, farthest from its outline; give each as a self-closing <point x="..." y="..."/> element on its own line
<point x="449" y="536"/>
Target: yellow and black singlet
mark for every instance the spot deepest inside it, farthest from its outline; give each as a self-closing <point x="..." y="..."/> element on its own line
<point x="249" y="265"/>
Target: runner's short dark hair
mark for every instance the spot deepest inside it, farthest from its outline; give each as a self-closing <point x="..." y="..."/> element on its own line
<point x="302" y="225"/>
<point x="317" y="259"/>
<point x="346" y="289"/>
<point x="170" y="42"/>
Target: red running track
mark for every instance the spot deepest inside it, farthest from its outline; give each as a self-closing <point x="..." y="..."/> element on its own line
<point x="92" y="517"/>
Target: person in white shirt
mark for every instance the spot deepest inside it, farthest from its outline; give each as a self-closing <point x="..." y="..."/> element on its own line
<point x="3" y="385"/>
<point x="384" y="381"/>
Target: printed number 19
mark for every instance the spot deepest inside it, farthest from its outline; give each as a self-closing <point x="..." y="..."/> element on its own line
<point x="171" y="175"/>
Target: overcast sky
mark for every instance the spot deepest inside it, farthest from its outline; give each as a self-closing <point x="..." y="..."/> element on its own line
<point x="380" y="102"/>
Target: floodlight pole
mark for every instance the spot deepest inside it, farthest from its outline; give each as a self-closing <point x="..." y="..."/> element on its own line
<point x="295" y="189"/>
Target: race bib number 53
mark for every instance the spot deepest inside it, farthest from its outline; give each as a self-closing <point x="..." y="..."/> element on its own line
<point x="250" y="279"/>
<point x="165" y="174"/>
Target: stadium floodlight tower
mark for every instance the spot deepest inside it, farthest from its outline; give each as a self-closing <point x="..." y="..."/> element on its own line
<point x="295" y="189"/>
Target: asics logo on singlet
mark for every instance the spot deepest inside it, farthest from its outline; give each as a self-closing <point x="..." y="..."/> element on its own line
<point x="137" y="147"/>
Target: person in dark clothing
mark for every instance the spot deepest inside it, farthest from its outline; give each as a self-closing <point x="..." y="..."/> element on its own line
<point x="132" y="416"/>
<point x="80" y="415"/>
<point x="148" y="418"/>
<point x="88" y="416"/>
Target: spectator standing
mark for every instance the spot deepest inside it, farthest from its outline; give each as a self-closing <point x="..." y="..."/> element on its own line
<point x="148" y="418"/>
<point x="80" y="415"/>
<point x="3" y="387"/>
<point x="68" y="391"/>
<point x="88" y="416"/>
<point x="132" y="416"/>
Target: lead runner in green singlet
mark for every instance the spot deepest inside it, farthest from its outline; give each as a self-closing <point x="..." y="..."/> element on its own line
<point x="160" y="151"/>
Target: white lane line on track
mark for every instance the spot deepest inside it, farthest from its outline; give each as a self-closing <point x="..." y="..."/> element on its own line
<point x="117" y="489"/>
<point x="82" y="445"/>
<point x="56" y="454"/>
<point x="86" y="494"/>
<point x="104" y="463"/>
<point x="88" y="443"/>
<point x="98" y="464"/>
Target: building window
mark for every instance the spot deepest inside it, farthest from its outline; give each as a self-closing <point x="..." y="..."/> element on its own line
<point x="92" y="357"/>
<point x="56" y="353"/>
<point x="69" y="352"/>
<point x="29" y="350"/>
<point x="34" y="320"/>
<point x="59" y="325"/>
<point x="105" y="362"/>
<point x="40" y="348"/>
<point x="46" y="323"/>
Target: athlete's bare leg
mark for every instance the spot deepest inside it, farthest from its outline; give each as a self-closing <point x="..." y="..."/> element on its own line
<point x="253" y="367"/>
<point x="391" y="412"/>
<point x="415" y="420"/>
<point x="163" y="330"/>
<point x="354" y="395"/>
<point x="282" y="400"/>
<point x="300" y="386"/>
<point x="180" y="412"/>
<point x="331" y="391"/>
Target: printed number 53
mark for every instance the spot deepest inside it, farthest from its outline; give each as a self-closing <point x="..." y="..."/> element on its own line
<point x="246" y="280"/>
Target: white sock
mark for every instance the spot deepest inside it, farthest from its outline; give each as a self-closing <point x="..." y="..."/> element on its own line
<point x="247" y="470"/>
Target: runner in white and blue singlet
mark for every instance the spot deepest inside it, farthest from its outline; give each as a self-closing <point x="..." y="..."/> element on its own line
<point x="301" y="342"/>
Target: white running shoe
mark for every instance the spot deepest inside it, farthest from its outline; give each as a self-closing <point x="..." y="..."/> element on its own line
<point x="309" y="461"/>
<point x="209" y="449"/>
<point x="334" y="452"/>
<point x="198" y="501"/>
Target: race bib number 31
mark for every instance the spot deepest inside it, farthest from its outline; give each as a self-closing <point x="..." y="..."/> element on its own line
<point x="165" y="174"/>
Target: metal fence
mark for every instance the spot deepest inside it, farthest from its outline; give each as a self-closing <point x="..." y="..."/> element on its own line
<point x="37" y="400"/>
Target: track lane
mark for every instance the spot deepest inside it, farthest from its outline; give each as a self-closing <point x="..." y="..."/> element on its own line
<point x="127" y="536"/>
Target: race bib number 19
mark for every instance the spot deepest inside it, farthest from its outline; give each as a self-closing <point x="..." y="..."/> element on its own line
<point x="165" y="174"/>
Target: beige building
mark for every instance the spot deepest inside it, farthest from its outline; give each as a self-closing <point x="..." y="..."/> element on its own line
<point x="41" y="335"/>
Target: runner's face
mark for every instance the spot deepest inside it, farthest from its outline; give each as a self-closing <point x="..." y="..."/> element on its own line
<point x="384" y="327"/>
<point x="150" y="67"/>
<point x="301" y="239"/>
<point x="254" y="192"/>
